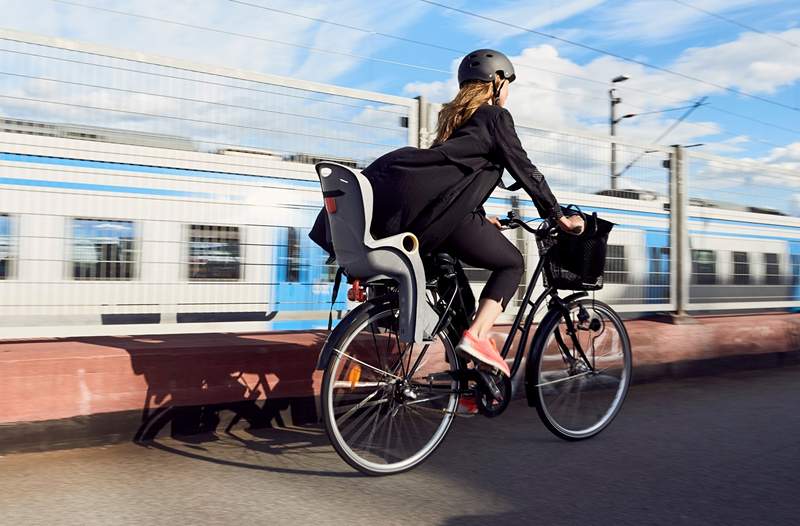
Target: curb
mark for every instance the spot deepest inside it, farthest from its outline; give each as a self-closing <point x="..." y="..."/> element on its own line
<point x="105" y="429"/>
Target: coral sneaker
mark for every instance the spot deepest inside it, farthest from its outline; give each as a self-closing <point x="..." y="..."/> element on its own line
<point x="483" y="351"/>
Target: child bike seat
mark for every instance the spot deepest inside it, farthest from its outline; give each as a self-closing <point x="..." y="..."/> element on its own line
<point x="348" y="203"/>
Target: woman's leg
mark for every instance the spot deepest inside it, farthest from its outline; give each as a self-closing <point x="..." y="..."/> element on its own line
<point x="485" y="316"/>
<point x="478" y="243"/>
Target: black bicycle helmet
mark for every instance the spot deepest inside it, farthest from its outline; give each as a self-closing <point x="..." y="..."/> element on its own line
<point x="484" y="65"/>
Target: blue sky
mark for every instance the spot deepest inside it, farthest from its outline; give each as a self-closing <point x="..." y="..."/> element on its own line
<point x="661" y="32"/>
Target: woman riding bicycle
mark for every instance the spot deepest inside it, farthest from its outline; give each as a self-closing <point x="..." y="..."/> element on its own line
<point x="438" y="193"/>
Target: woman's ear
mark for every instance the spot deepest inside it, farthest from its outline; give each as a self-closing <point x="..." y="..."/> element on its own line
<point x="497" y="89"/>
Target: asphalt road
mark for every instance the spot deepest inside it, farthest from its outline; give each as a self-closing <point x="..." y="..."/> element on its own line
<point x="708" y="450"/>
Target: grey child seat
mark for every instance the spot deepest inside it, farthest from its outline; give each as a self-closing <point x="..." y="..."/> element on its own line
<point x="349" y="207"/>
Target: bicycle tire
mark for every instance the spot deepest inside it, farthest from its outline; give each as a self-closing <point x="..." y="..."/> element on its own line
<point x="540" y="388"/>
<point x="356" y="321"/>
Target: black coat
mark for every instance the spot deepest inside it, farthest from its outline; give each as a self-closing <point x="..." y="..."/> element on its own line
<point x="428" y="191"/>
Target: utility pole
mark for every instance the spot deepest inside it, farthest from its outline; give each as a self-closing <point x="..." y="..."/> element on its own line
<point x="613" y="120"/>
<point x="680" y="254"/>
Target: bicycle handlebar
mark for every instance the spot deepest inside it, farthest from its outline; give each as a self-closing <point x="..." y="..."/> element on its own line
<point x="547" y="228"/>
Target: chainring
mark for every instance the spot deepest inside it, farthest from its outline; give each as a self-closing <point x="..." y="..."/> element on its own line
<point x="488" y="405"/>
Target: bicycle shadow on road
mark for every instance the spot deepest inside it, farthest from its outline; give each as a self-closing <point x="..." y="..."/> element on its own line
<point x="302" y="450"/>
<point x="225" y="397"/>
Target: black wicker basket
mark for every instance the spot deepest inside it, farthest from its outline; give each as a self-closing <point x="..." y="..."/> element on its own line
<point x="577" y="262"/>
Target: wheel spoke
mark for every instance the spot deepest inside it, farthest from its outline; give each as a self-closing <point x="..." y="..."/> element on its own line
<point x="565" y="379"/>
<point x="424" y="400"/>
<point x="361" y="404"/>
<point x="579" y="401"/>
<point x="345" y="355"/>
<point x="380" y="421"/>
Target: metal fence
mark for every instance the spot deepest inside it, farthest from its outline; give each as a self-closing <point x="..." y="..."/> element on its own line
<point x="744" y="234"/>
<point x="146" y="194"/>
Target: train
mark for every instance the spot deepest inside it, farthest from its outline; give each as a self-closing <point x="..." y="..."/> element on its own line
<point x="102" y="233"/>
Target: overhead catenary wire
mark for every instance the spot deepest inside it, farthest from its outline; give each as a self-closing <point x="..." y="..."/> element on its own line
<point x="405" y="64"/>
<point x="399" y="63"/>
<point x="612" y="54"/>
<point x="461" y="52"/>
<point x="253" y="37"/>
<point x="736" y="23"/>
<point x="683" y="117"/>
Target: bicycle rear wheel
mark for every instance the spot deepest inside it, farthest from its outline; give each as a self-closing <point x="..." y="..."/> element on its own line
<point x="578" y="397"/>
<point x="380" y="418"/>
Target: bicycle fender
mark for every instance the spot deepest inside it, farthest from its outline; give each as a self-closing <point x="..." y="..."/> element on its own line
<point x="572" y="297"/>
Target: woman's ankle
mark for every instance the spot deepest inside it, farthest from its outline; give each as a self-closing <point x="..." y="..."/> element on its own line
<point x="480" y="333"/>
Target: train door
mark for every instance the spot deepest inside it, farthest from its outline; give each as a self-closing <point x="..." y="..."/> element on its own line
<point x="302" y="281"/>
<point x="657" y="267"/>
<point x="794" y="259"/>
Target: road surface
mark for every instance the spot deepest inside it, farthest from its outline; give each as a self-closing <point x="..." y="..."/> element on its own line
<point x="706" y="450"/>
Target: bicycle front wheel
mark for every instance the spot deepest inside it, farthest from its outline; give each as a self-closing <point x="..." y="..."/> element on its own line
<point x="387" y="405"/>
<point x="577" y="395"/>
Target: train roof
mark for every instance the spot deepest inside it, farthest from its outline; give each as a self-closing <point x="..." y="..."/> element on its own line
<point x="648" y="195"/>
<point x="95" y="133"/>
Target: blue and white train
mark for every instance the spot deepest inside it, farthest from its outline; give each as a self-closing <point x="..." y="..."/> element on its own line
<point x="100" y="237"/>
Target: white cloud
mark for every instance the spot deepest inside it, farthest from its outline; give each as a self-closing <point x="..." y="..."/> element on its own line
<point x="735" y="144"/>
<point x="545" y="98"/>
<point x="785" y="157"/>
<point x="549" y="101"/>
<point x="753" y="62"/>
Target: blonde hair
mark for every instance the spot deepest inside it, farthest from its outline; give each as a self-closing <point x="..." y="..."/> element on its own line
<point x="453" y="114"/>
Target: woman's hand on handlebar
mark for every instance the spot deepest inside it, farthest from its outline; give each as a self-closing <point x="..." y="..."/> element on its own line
<point x="495" y="221"/>
<point x="571" y="225"/>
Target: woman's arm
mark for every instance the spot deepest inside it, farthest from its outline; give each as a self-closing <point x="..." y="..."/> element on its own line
<point x="515" y="160"/>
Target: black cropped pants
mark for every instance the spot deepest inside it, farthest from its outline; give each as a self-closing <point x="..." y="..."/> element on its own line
<point x="479" y="243"/>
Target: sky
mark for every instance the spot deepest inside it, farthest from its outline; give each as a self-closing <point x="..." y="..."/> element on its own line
<point x="746" y="63"/>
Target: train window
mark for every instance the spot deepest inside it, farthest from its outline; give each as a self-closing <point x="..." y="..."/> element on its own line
<point x="7" y="248"/>
<point x="795" y="270"/>
<point x="293" y="260"/>
<point x="704" y="267"/>
<point x="103" y="249"/>
<point x="214" y="252"/>
<point x="772" y="270"/>
<point x="659" y="266"/>
<point x="741" y="269"/>
<point x="616" y="266"/>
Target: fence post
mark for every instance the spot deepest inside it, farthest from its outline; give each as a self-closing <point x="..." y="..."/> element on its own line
<point x="422" y="122"/>
<point x="521" y="242"/>
<point x="680" y="262"/>
<point x="427" y="126"/>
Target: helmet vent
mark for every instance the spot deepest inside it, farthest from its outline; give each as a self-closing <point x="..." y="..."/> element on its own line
<point x="475" y="64"/>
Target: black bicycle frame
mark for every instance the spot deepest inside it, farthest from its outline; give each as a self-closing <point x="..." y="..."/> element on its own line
<point x="532" y="308"/>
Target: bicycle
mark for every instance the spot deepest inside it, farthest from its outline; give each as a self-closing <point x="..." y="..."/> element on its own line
<point x="386" y="408"/>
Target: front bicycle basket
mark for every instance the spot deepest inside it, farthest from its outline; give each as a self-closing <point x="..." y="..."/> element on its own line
<point x="577" y="262"/>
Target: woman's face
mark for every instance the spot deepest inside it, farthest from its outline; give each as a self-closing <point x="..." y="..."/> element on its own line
<point x="503" y="95"/>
